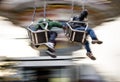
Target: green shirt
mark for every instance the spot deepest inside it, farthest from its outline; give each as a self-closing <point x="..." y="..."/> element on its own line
<point x="51" y="24"/>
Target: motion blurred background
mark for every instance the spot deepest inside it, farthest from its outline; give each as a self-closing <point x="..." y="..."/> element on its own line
<point x="104" y="18"/>
<point x="20" y="12"/>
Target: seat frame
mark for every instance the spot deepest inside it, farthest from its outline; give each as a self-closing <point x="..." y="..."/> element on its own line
<point x="76" y="35"/>
<point x="38" y="37"/>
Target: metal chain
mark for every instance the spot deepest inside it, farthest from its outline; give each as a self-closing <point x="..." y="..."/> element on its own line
<point x="34" y="12"/>
<point x="44" y="9"/>
<point x="83" y="4"/>
<point x="72" y="9"/>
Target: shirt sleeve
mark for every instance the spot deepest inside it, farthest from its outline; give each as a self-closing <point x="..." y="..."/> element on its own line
<point x="55" y="24"/>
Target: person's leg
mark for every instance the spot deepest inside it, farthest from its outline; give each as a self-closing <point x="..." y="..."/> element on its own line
<point x="91" y="33"/>
<point x="89" y="52"/>
<point x="93" y="36"/>
<point x="51" y="42"/>
<point x="87" y="46"/>
<point x="52" y="37"/>
<point x="51" y="53"/>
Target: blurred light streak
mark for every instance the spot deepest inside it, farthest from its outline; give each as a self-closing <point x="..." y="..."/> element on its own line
<point x="11" y="47"/>
<point x="108" y="53"/>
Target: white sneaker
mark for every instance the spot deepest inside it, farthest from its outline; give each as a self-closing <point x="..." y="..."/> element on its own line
<point x="50" y="45"/>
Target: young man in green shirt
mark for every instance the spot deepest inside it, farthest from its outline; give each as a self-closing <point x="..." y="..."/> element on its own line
<point x="52" y="34"/>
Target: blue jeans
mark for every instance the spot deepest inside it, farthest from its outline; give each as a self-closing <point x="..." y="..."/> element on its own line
<point x="92" y="35"/>
<point x="89" y="32"/>
<point x="52" y="36"/>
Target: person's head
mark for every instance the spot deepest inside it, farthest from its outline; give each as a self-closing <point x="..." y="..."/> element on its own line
<point x="83" y="15"/>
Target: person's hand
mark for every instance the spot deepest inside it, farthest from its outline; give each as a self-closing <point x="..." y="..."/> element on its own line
<point x="64" y="27"/>
<point x="86" y="19"/>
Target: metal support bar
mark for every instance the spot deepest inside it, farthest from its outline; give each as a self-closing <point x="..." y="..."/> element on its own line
<point x="44" y="9"/>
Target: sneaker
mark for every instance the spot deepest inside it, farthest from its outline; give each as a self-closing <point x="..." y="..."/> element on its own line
<point x="51" y="50"/>
<point x="96" y="41"/>
<point x="50" y="46"/>
<point x="51" y="54"/>
<point x="90" y="56"/>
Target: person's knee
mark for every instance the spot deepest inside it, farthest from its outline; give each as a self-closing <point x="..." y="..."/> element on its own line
<point x="54" y="33"/>
<point x="86" y="42"/>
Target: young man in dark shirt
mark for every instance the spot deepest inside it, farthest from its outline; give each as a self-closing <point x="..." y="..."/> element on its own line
<point x="83" y="17"/>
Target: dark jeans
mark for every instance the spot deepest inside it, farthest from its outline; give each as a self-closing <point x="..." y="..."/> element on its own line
<point x="92" y="35"/>
<point x="89" y="32"/>
<point x="52" y="36"/>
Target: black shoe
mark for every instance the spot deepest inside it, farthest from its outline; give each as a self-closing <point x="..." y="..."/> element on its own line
<point x="90" y="56"/>
<point x="50" y="46"/>
<point x="96" y="41"/>
<point x="52" y="54"/>
<point x="51" y="50"/>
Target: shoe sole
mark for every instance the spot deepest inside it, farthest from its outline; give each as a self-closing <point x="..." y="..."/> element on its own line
<point x="91" y="57"/>
<point x="97" y="42"/>
<point x="100" y="42"/>
<point x="51" y="54"/>
<point x="51" y="49"/>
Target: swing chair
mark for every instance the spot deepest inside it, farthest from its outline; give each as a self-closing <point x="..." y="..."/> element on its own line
<point x="73" y="34"/>
<point x="40" y="36"/>
<point x="76" y="35"/>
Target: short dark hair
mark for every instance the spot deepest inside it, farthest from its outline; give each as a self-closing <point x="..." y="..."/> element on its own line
<point x="83" y="15"/>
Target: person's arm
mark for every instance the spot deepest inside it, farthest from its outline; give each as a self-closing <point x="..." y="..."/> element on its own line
<point x="54" y="24"/>
<point x="39" y="26"/>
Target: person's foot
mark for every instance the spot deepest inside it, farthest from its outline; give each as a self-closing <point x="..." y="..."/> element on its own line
<point x="96" y="41"/>
<point x="90" y="55"/>
<point x="52" y="54"/>
<point x="50" y="46"/>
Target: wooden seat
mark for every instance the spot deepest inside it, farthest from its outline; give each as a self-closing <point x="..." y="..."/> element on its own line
<point x="76" y="35"/>
<point x="38" y="37"/>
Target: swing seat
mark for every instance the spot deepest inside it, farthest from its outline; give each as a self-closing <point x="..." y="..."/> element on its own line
<point x="38" y="37"/>
<point x="76" y="35"/>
